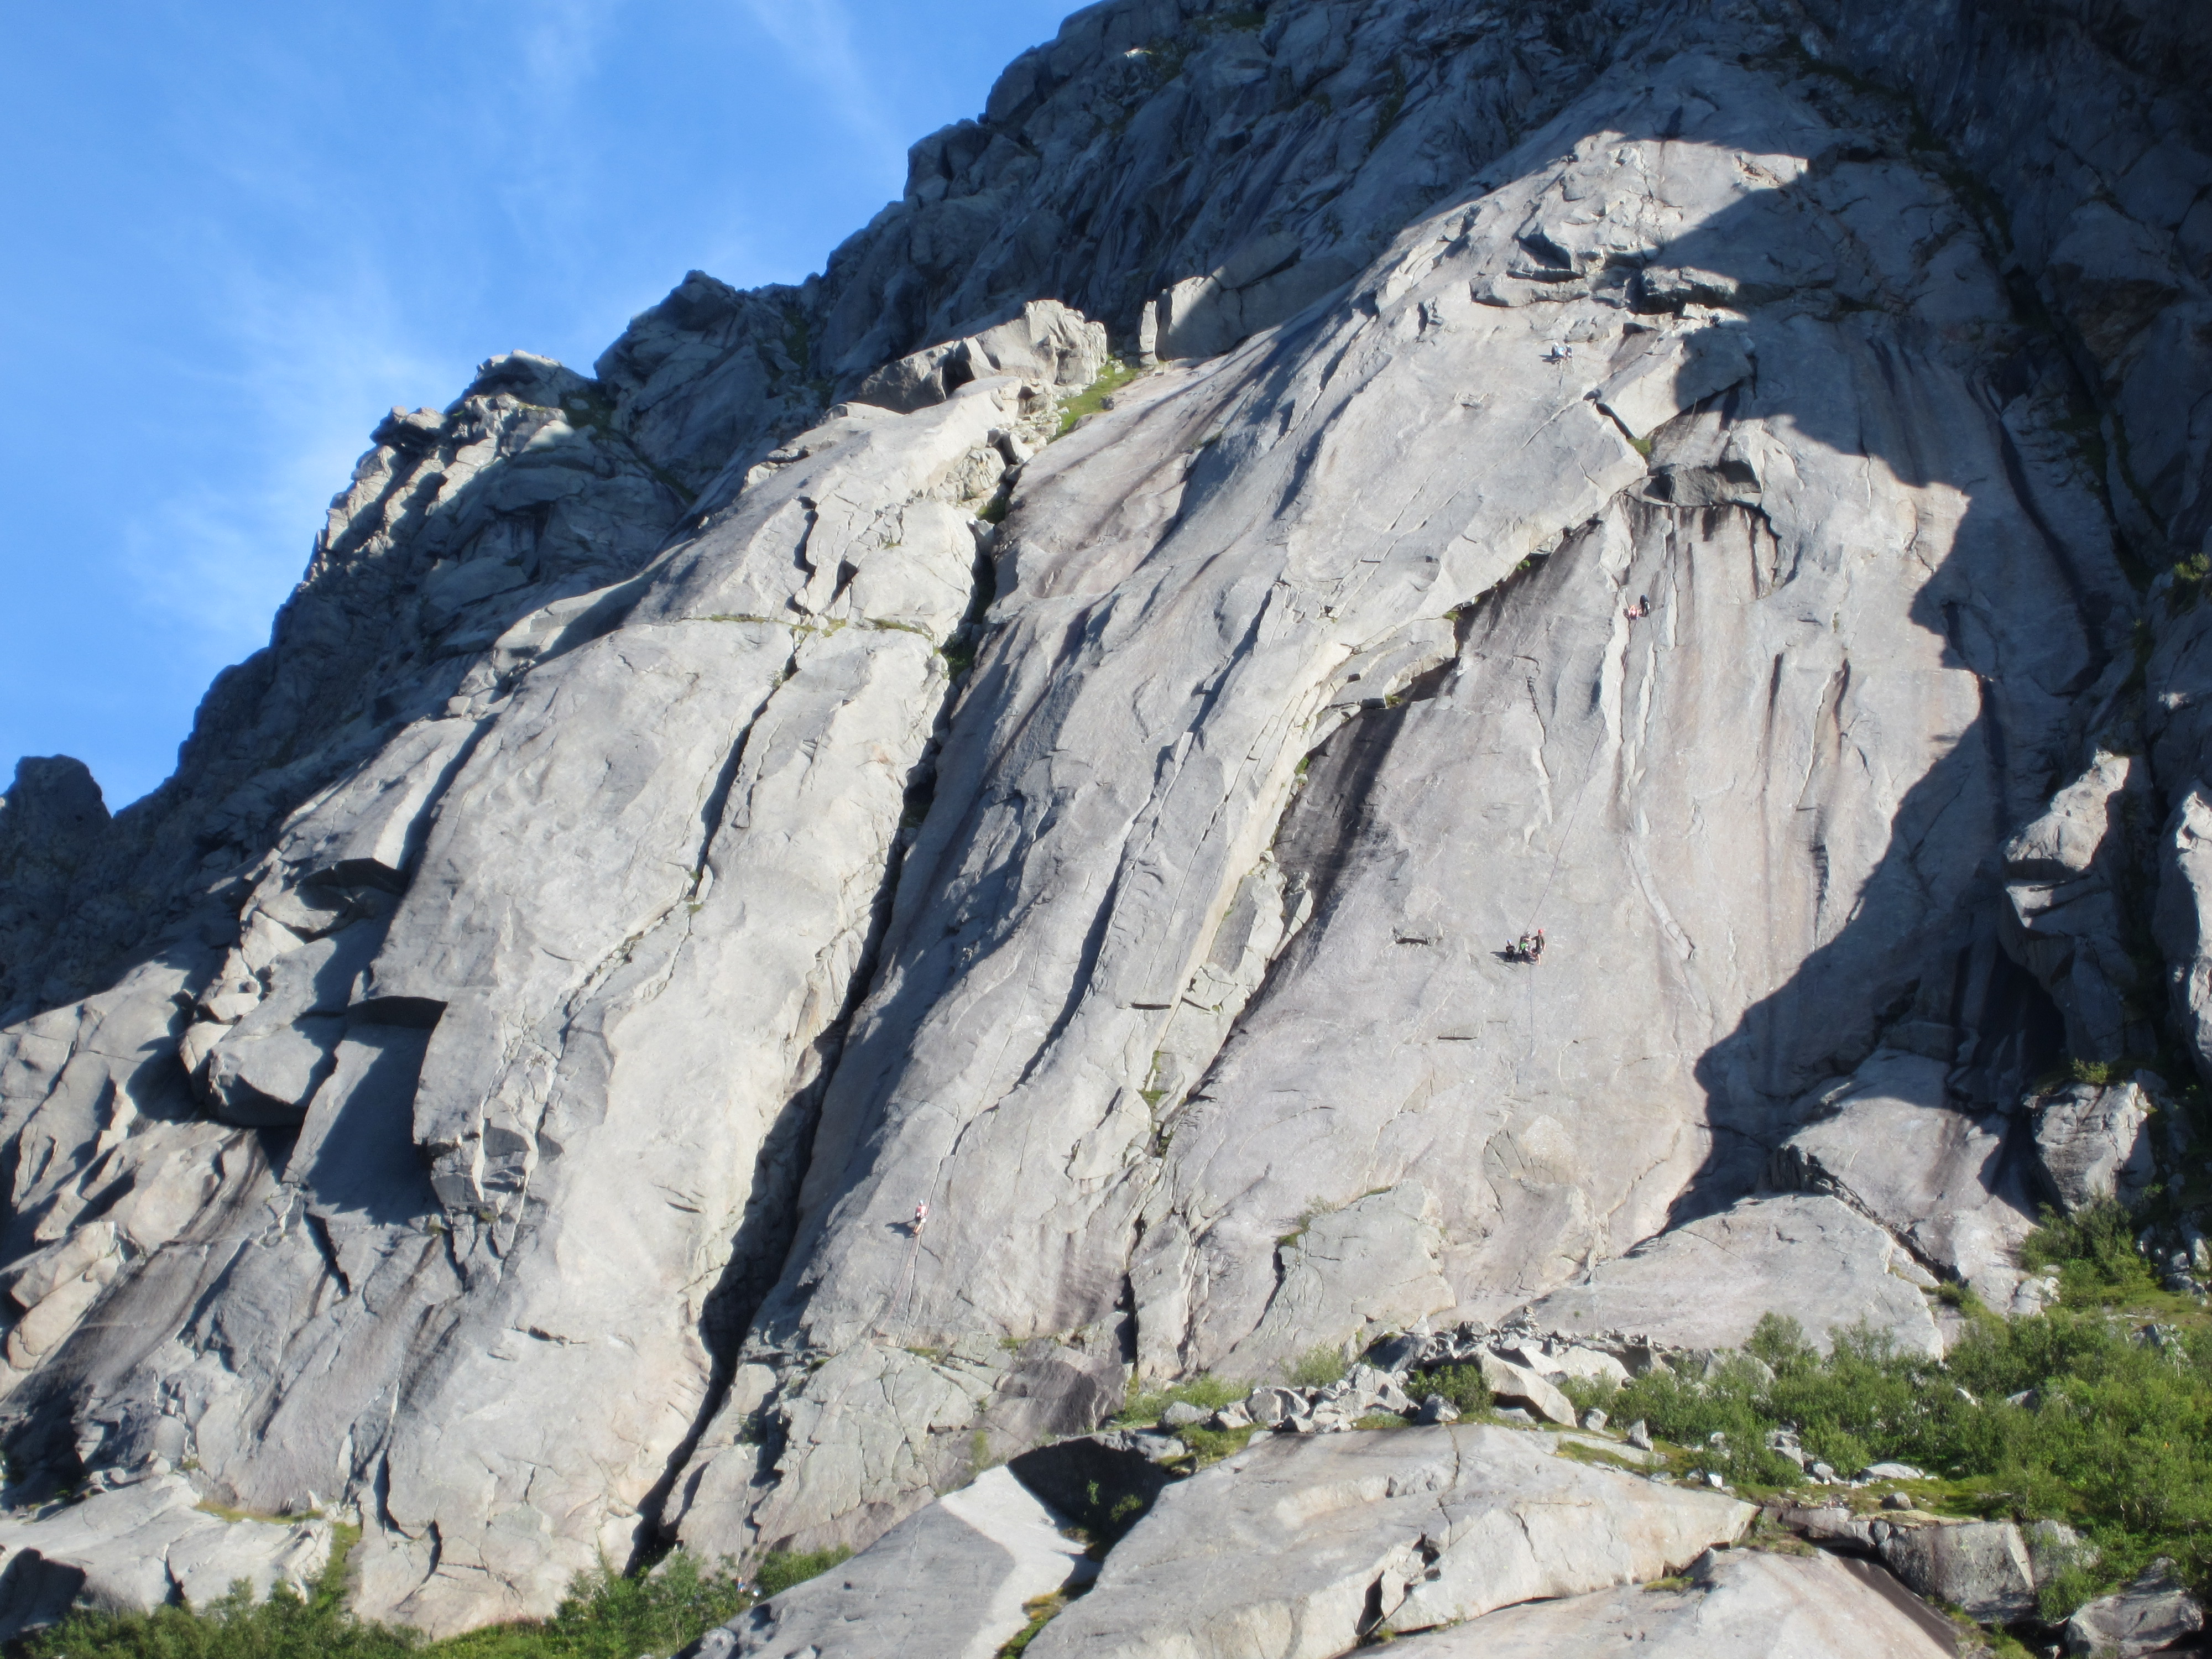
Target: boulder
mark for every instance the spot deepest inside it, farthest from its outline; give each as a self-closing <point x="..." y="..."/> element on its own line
<point x="1553" y="1358"/>
<point x="1299" y="1547"/>
<point x="1045" y="341"/>
<point x="1271" y="1407"/>
<point x="1705" y="1285"/>
<point x="143" y="1544"/>
<point x="1401" y="1352"/>
<point x="1742" y="1604"/>
<point x="1513" y="1385"/>
<point x="1981" y="1567"/>
<point x="953" y="1579"/>
<point x="2154" y="1613"/>
<point x="1832" y="1524"/>
<point x="2093" y="1142"/>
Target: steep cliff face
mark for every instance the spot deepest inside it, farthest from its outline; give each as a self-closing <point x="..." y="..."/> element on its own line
<point x="1684" y="479"/>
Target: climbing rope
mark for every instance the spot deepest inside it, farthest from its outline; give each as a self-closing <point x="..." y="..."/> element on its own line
<point x="898" y="1304"/>
<point x="1557" y="858"/>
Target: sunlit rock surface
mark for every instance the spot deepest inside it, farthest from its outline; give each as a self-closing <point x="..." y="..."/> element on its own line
<point x="1622" y="473"/>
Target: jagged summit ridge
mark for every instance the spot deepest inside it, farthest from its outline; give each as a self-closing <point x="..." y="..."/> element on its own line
<point x="1601" y="470"/>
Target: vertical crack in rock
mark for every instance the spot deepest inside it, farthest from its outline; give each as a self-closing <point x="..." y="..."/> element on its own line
<point x="770" y="1221"/>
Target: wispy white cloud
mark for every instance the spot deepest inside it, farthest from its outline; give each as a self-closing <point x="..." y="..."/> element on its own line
<point x="311" y="354"/>
<point x="307" y="374"/>
<point x="817" y="36"/>
<point x="562" y="42"/>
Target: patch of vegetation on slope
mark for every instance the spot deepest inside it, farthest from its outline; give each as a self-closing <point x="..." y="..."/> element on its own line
<point x="606" y="1615"/>
<point x="1117" y="374"/>
<point x="2097" y="1411"/>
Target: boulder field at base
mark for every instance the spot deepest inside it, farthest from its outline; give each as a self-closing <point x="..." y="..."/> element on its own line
<point x="809" y="913"/>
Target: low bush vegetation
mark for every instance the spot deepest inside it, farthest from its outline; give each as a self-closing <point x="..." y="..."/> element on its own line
<point x="1316" y="1368"/>
<point x="1117" y="374"/>
<point x="1460" y="1384"/>
<point x="1207" y="1392"/>
<point x="607" y="1616"/>
<point x="2087" y="1413"/>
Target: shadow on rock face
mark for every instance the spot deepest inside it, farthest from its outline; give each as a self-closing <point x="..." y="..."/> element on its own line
<point x="1747" y="745"/>
<point x="2029" y="598"/>
<point x="1775" y="607"/>
<point x="1102" y="1489"/>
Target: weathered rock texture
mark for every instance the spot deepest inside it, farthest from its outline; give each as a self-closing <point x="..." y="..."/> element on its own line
<point x="954" y="1580"/>
<point x="2151" y="1615"/>
<point x="147" y="1542"/>
<point x="1672" y="476"/>
<point x="1743" y="1605"/>
<point x="1298" y="1547"/>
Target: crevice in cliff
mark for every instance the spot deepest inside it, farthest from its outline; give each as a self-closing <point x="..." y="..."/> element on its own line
<point x="769" y="1225"/>
<point x="511" y="1196"/>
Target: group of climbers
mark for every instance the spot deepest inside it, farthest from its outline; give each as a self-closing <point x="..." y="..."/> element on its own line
<point x="1529" y="948"/>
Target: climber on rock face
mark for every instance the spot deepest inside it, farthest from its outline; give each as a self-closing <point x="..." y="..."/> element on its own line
<point x="921" y="1216"/>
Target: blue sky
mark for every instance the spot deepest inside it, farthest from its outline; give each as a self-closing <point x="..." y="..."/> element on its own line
<point x="236" y="232"/>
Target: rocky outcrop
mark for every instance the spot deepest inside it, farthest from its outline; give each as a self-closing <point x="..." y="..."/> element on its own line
<point x="52" y="821"/>
<point x="146" y="1542"/>
<point x="743" y="956"/>
<point x="955" y="1579"/>
<point x="1950" y="1184"/>
<point x="1741" y="1604"/>
<point x="2151" y="1615"/>
<point x="1301" y="1546"/>
<point x="1705" y="1285"/>
<point x="2093" y="1142"/>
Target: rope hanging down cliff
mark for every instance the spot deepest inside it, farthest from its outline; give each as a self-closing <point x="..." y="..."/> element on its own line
<point x="1529" y="947"/>
<point x="903" y="1288"/>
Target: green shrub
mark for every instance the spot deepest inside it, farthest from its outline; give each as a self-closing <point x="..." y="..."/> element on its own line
<point x="1316" y="1368"/>
<point x="2113" y="1433"/>
<point x="1460" y="1384"/>
<point x="605" y="1616"/>
<point x="2094" y="1251"/>
<point x="1207" y="1392"/>
<point x="780" y="1570"/>
<point x="1212" y="1445"/>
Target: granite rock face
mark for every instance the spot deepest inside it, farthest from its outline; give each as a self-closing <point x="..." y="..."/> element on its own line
<point x="954" y="1580"/>
<point x="1300" y="1547"/>
<point x="1743" y="1605"/>
<point x="146" y="1542"/>
<point x="2151" y="1615"/>
<point x="769" y="926"/>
